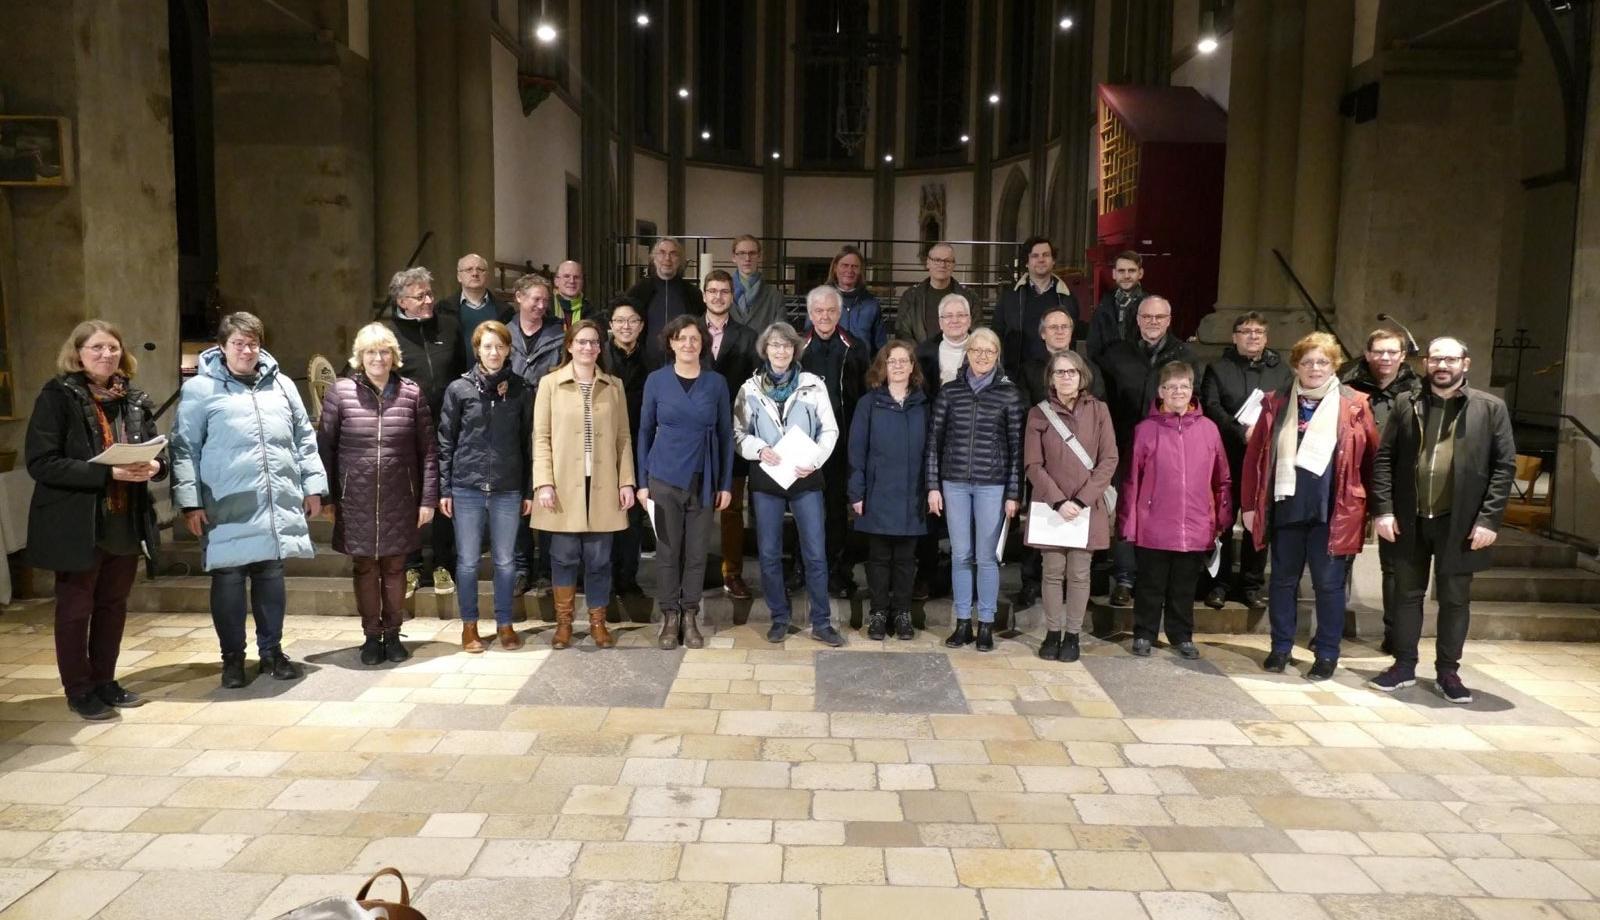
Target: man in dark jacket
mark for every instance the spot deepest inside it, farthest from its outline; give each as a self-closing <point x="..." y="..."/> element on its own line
<point x="1383" y="373"/>
<point x="1113" y="319"/>
<point x="1016" y="317"/>
<point x="917" y="316"/>
<point x="431" y="354"/>
<point x="1246" y="366"/>
<point x="474" y="303"/>
<point x="841" y="362"/>
<point x="1132" y="369"/>
<point x="663" y="295"/>
<point x="1439" y="491"/>
<point x="537" y="338"/>
<point x="624" y="359"/>
<point x="731" y="352"/>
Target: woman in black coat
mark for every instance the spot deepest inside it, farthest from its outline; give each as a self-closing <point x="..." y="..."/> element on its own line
<point x="89" y="522"/>
<point x="887" y="435"/>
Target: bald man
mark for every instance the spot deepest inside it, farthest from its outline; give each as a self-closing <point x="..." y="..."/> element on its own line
<point x="474" y="303"/>
<point x="569" y="303"/>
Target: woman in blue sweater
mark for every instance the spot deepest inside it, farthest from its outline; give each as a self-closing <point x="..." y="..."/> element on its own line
<point x="686" y="464"/>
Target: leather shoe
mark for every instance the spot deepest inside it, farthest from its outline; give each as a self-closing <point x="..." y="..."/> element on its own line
<point x="902" y="625"/>
<point x="471" y="643"/>
<point x="1141" y="648"/>
<point x="1051" y="646"/>
<point x="508" y="638"/>
<point x="671" y="624"/>
<point x="1217" y="598"/>
<point x="1188" y="650"/>
<point x="1255" y="601"/>
<point x="1121" y="596"/>
<point x="1277" y="662"/>
<point x="691" y="628"/>
<point x="734" y="587"/>
<point x="1321" y="669"/>
<point x="777" y="632"/>
<point x="985" y="641"/>
<point x="962" y="635"/>
<point x="1027" y="596"/>
<point x="827" y="635"/>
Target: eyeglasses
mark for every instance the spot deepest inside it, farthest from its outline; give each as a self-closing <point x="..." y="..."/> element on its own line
<point x="718" y="292"/>
<point x="983" y="352"/>
<point x="945" y="316"/>
<point x="627" y="321"/>
<point x="104" y="349"/>
<point x="1446" y="360"/>
<point x="1250" y="331"/>
<point x="1177" y="387"/>
<point x="1386" y="353"/>
<point x="236" y="345"/>
<point x="1315" y="364"/>
<point x="1148" y="318"/>
<point x="1058" y="327"/>
<point x="898" y="362"/>
<point x="746" y="253"/>
<point x="586" y="343"/>
<point x="934" y="261"/>
<point x="1064" y="372"/>
<point x="426" y="295"/>
<point x="776" y="345"/>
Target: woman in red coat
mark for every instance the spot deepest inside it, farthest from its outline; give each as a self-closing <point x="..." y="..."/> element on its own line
<point x="1307" y="468"/>
<point x="376" y="438"/>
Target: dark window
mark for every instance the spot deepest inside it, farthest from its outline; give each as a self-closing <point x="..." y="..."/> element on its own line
<point x="939" y="43"/>
<point x="722" y="69"/>
<point x="649" y="77"/>
<point x="1017" y="55"/>
<point x="827" y="29"/>
<point x="574" y="219"/>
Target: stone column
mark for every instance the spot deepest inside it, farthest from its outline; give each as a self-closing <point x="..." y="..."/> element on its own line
<point x="1329" y="25"/>
<point x="475" y="185"/>
<point x="395" y="142"/>
<point x="438" y="130"/>
<point x="1247" y="101"/>
<point x="1275" y="208"/>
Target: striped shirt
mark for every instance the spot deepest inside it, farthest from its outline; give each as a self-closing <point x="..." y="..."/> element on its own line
<point x="588" y="427"/>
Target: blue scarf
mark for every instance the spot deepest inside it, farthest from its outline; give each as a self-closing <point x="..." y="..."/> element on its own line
<point x="779" y="387"/>
<point x="744" y="293"/>
<point x="978" y="381"/>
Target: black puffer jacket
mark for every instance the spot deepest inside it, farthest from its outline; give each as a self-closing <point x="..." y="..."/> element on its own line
<point x="382" y="461"/>
<point x="486" y="442"/>
<point x="977" y="437"/>
<point x="64" y="515"/>
<point x="1359" y="377"/>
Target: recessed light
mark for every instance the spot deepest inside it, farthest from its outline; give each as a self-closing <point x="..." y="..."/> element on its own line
<point x="545" y="32"/>
<point x="888" y="158"/>
<point x="683" y="92"/>
<point x="777" y="155"/>
<point x="965" y="138"/>
<point x="1206" y="45"/>
<point x="1065" y="23"/>
<point x="994" y="98"/>
<point x="643" y="19"/>
<point x="705" y="135"/>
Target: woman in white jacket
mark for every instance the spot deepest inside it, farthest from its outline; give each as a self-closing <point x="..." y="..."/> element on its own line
<point x="777" y="397"/>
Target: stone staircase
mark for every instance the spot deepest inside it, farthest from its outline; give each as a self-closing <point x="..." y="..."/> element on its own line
<point x="1539" y="590"/>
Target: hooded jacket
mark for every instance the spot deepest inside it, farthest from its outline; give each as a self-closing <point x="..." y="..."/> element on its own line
<point x="1176" y="495"/>
<point x="887" y="440"/>
<point x="247" y="455"/>
<point x="1352" y="470"/>
<point x="383" y="464"/>
<point x="758" y="422"/>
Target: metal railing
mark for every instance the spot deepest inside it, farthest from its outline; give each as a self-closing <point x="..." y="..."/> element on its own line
<point x="1588" y="433"/>
<point x="1321" y="322"/>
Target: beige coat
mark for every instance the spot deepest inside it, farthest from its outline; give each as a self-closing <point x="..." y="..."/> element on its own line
<point x="558" y="454"/>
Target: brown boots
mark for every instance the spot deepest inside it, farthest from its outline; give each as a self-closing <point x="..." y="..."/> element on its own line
<point x="671" y="624"/>
<point x="469" y="638"/>
<point x="597" y="628"/>
<point x="564" y="597"/>
<point x="691" y="628"/>
<point x="508" y="638"/>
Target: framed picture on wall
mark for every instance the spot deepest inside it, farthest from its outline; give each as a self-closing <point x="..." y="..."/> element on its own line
<point x="35" y="151"/>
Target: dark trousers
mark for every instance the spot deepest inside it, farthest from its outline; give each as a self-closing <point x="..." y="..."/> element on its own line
<point x="441" y="536"/>
<point x="1452" y="590"/>
<point x="586" y="554"/>
<point x="626" y="545"/>
<point x="1388" y="562"/>
<point x="683" y="524"/>
<point x="380" y="592"/>
<point x="533" y="551"/>
<point x="91" y="611"/>
<point x="1031" y="562"/>
<point x="836" y="514"/>
<point x="891" y="567"/>
<point x="1165" y="590"/>
<point x="1252" y="574"/>
<point x="265" y="602"/>
<point x="1294" y="546"/>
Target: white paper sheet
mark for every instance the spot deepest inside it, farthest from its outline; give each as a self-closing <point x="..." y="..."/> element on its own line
<point x="1251" y="410"/>
<point x="1046" y="528"/>
<point x="796" y="449"/>
<point x="650" y="512"/>
<point x="1000" y="548"/>
<point x="1215" y="562"/>
<point x="119" y="454"/>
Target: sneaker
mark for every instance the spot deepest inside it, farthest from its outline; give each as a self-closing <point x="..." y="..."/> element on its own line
<point x="393" y="648"/>
<point x="1217" y="598"/>
<point x="777" y="632"/>
<point x="234" y="675"/>
<point x="734" y="587"/>
<point x="413" y="579"/>
<point x="1121" y="596"/>
<point x="112" y="694"/>
<point x="1451" y="688"/>
<point x="1321" y="669"/>
<point x="1141" y="648"/>
<point x="1395" y="678"/>
<point x="878" y="625"/>
<point x="91" y="708"/>
<point x="902" y="625"/>
<point x="1277" y="662"/>
<point x="1188" y="650"/>
<point x="442" y="582"/>
<point x="372" y="650"/>
<point x="276" y="664"/>
<point x="827" y="635"/>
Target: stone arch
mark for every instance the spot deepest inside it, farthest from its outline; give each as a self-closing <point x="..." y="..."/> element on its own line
<point x="1006" y="224"/>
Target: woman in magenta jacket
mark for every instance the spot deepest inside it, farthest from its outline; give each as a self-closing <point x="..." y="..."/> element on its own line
<point x="1173" y="506"/>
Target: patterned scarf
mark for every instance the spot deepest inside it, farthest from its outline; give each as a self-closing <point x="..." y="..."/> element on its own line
<point x="490" y="386"/>
<point x="115" y="390"/>
<point x="779" y="387"/>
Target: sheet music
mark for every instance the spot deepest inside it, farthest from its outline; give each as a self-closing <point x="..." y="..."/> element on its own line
<point x="1046" y="528"/>
<point x="1251" y="410"/>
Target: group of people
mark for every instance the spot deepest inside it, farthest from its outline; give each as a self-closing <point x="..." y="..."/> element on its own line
<point x="565" y="432"/>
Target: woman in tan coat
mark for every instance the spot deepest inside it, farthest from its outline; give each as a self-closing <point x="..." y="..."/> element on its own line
<point x="1069" y="454"/>
<point x="582" y="477"/>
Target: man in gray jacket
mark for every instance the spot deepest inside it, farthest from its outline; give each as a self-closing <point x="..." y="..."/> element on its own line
<point x="917" y="316"/>
<point x="756" y="304"/>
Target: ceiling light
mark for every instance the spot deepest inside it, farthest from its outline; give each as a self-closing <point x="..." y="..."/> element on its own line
<point x="705" y="135"/>
<point x="994" y="98"/>
<point x="1065" y="23"/>
<point x="683" y="92"/>
<point x="643" y="19"/>
<point x="777" y="155"/>
<point x="1206" y="45"/>
<point x="965" y="138"/>
<point x="888" y="158"/>
<point x="545" y="33"/>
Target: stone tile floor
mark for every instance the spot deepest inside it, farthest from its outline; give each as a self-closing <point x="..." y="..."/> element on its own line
<point x="716" y="783"/>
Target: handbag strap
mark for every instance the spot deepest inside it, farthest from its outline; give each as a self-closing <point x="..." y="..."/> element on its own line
<point x="405" y="891"/>
<point x="1073" y="443"/>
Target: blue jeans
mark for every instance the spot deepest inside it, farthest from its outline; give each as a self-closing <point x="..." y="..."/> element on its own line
<point x="592" y="551"/>
<point x="975" y="512"/>
<point x="810" y="525"/>
<point x="266" y="605"/>
<point x="503" y="511"/>
<point x="1294" y="545"/>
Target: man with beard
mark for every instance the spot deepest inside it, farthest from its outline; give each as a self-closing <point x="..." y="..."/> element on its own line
<point x="1245" y="366"/>
<point x="1113" y="319"/>
<point x="1439" y="491"/>
<point x="1017" y="315"/>
<point x="1384" y="375"/>
<point x="730" y="350"/>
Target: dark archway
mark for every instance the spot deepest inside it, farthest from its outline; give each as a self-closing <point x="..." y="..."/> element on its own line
<point x="193" y="166"/>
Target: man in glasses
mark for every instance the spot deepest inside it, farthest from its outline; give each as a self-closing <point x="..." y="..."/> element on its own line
<point x="1245" y="366"/>
<point x="757" y="304"/>
<point x="917" y="315"/>
<point x="1439" y="491"/>
<point x="731" y="352"/>
<point x="1383" y="373"/>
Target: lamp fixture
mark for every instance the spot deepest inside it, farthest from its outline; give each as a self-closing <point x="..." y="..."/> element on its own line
<point x="683" y="92"/>
<point x="994" y="98"/>
<point x="1208" y="33"/>
<point x="643" y="19"/>
<point x="1065" y="23"/>
<point x="545" y="33"/>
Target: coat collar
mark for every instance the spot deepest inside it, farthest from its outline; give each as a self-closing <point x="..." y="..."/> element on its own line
<point x="564" y="374"/>
<point x="1025" y="282"/>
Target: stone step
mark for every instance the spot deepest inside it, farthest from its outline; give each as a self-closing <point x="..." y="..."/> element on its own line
<point x="184" y="559"/>
<point x="333" y="597"/>
<point x="1519" y="549"/>
<point x="1537" y="586"/>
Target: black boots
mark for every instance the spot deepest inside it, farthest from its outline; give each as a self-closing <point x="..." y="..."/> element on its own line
<point x="1051" y="646"/>
<point x="961" y="636"/>
<point x="1069" y="647"/>
<point x="691" y="628"/>
<point x="671" y="624"/>
<point x="372" y="650"/>
<point x="233" y="675"/>
<point x="878" y="624"/>
<point x="275" y="663"/>
<point x="1059" y="646"/>
<point x="985" y="641"/>
<point x="902" y="625"/>
<point x="392" y="649"/>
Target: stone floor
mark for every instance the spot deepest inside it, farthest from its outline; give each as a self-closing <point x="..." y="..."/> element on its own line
<point x="756" y="781"/>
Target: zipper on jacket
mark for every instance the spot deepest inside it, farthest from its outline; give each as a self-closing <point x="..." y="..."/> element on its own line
<point x="377" y="472"/>
<point x="1183" y="483"/>
<point x="266" y="471"/>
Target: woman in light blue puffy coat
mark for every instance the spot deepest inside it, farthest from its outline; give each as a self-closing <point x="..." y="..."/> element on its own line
<point x="247" y="475"/>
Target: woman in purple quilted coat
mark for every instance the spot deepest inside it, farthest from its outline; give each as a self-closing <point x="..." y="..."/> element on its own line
<point x="377" y="442"/>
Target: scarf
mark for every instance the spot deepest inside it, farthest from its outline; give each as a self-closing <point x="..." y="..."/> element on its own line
<point x="1314" y="451"/>
<point x="745" y="291"/>
<point x="978" y="381"/>
<point x="778" y="387"/>
<point x="1124" y="300"/>
<point x="115" y="390"/>
<point x="492" y="385"/>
